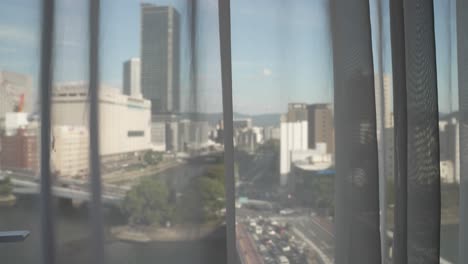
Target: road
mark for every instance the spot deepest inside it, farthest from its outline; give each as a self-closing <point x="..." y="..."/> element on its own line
<point x="258" y="180"/>
<point x="319" y="235"/>
<point x="246" y="247"/>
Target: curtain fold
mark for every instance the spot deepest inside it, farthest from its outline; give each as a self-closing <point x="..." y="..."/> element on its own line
<point x="400" y="130"/>
<point x="96" y="216"/>
<point x="45" y="86"/>
<point x="381" y="132"/>
<point x="357" y="211"/>
<point x="462" y="44"/>
<point x="224" y="13"/>
<point x="357" y="232"/>
<point x="423" y="133"/>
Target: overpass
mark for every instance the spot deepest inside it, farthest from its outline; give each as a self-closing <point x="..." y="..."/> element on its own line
<point x="72" y="192"/>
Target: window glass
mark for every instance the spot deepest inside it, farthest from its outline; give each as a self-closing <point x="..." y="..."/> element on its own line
<point x="283" y="131"/>
<point x="161" y="149"/>
<point x="19" y="127"/>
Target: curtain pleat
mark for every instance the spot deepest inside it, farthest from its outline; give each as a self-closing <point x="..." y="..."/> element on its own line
<point x="45" y="82"/>
<point x="423" y="133"/>
<point x="382" y="133"/>
<point x="193" y="100"/>
<point x="397" y="32"/>
<point x="224" y="13"/>
<point x="357" y="234"/>
<point x="96" y="217"/>
<point x="462" y="43"/>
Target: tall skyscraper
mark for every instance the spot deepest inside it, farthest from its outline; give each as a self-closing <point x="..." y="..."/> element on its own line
<point x="320" y="119"/>
<point x="131" y="78"/>
<point x="160" y="48"/>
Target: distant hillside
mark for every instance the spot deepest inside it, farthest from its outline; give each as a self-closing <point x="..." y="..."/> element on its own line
<point x="257" y="120"/>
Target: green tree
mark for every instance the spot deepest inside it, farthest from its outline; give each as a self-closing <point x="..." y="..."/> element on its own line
<point x="215" y="172"/>
<point x="147" y="203"/>
<point x="212" y="196"/>
<point x="6" y="187"/>
<point x="152" y="157"/>
<point x="204" y="197"/>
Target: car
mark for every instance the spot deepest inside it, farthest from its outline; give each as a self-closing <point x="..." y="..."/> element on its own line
<point x="286" y="248"/>
<point x="286" y="212"/>
<point x="283" y="260"/>
<point x="258" y="230"/>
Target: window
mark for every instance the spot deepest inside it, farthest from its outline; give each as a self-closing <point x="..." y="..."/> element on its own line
<point x="204" y="131"/>
<point x="136" y="133"/>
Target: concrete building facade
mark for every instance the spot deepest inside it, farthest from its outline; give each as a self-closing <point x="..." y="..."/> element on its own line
<point x="305" y="130"/>
<point x="15" y="87"/>
<point x="132" y="78"/>
<point x="124" y="122"/>
<point x="320" y="121"/>
<point x="294" y="136"/>
<point x="70" y="151"/>
<point x="20" y="150"/>
<point x="160" y="48"/>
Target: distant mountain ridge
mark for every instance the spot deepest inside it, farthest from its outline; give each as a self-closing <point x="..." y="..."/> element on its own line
<point x="263" y="120"/>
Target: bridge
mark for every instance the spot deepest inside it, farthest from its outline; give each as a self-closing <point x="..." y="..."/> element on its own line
<point x="114" y="187"/>
<point x="72" y="192"/>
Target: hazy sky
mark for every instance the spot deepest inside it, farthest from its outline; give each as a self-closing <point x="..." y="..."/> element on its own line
<point x="280" y="49"/>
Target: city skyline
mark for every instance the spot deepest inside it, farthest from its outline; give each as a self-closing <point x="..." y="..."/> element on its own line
<point x="267" y="70"/>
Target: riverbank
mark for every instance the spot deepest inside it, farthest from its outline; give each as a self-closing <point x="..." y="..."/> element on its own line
<point x="8" y="200"/>
<point x="144" y="234"/>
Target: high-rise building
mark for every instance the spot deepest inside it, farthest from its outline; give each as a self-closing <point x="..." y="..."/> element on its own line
<point x="20" y="150"/>
<point x="296" y="112"/>
<point x="242" y="123"/>
<point x="131" y="78"/>
<point x="15" y="93"/>
<point x="193" y="134"/>
<point x="246" y="140"/>
<point x="158" y="135"/>
<point x="294" y="137"/>
<point x="320" y="119"/>
<point x="15" y="121"/>
<point x="166" y="135"/>
<point x="160" y="48"/>
<point x="306" y="132"/>
<point x="70" y="151"/>
<point x="270" y="133"/>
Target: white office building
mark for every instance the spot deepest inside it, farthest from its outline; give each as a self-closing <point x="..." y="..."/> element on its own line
<point x="124" y="121"/>
<point x="294" y="136"/>
<point x="70" y="151"/>
<point x="14" y="121"/>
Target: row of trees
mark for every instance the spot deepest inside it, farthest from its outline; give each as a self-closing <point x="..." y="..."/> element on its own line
<point x="151" y="202"/>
